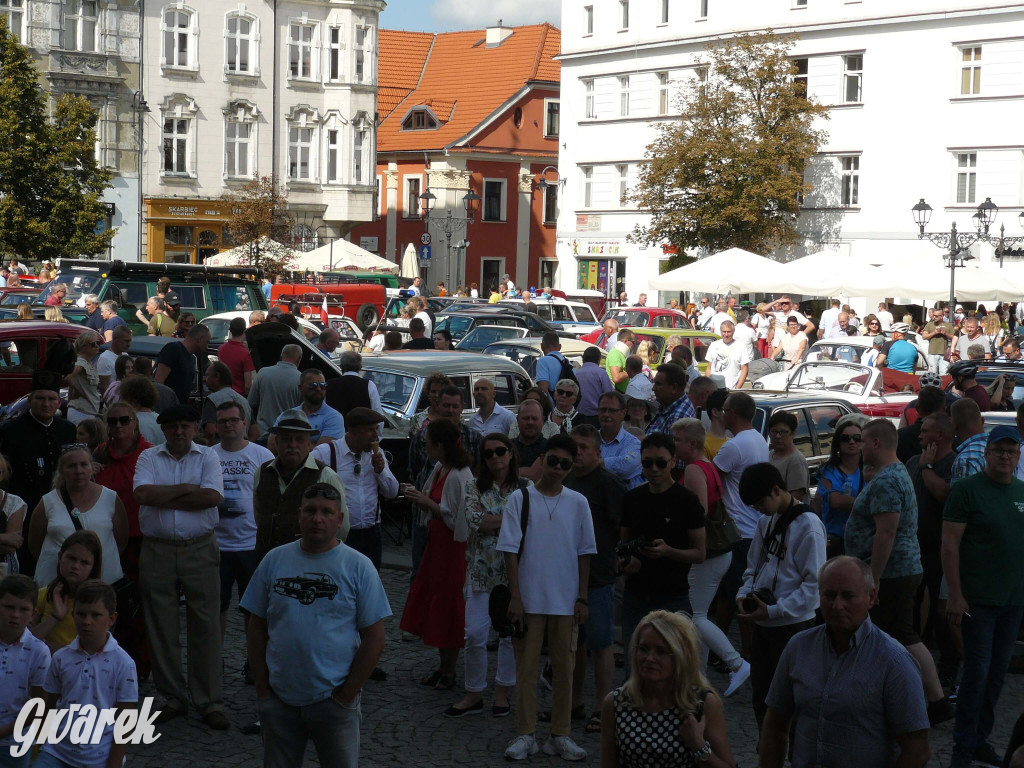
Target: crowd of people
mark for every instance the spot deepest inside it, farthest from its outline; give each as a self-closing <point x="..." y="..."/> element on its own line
<point x="873" y="603"/>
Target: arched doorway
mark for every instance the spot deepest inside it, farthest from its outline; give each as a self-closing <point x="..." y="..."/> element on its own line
<point x="209" y="245"/>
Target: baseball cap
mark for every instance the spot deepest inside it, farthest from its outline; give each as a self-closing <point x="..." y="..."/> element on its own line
<point x="1004" y="432"/>
<point x="171" y="298"/>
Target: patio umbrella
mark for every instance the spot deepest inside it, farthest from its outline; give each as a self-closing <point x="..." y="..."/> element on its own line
<point x="731" y="271"/>
<point x="340" y="255"/>
<point x="240" y="254"/>
<point x="410" y="262"/>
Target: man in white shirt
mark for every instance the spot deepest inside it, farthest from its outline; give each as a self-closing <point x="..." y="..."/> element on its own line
<point x="785" y="308"/>
<point x="120" y="343"/>
<point x="828" y="318"/>
<point x="728" y="358"/>
<point x="421" y="313"/>
<point x="706" y="313"/>
<point x="414" y="289"/>
<point x="744" y="333"/>
<point x="840" y="328"/>
<point x="639" y="385"/>
<point x="721" y="316"/>
<point x="490" y="417"/>
<point x="884" y="316"/>
<point x="179" y="486"/>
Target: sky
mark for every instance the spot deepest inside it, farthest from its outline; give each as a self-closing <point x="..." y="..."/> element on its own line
<point x="449" y="15"/>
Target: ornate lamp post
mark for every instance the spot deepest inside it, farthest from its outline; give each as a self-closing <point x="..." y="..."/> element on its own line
<point x="450" y="224"/>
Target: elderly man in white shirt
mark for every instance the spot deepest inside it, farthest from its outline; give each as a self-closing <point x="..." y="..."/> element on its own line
<point x="178" y="486"/>
<point x="490" y="417"/>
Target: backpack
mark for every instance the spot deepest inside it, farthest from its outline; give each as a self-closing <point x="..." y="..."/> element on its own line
<point x="567" y="371"/>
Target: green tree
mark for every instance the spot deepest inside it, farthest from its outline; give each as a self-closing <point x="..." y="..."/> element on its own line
<point x="730" y="171"/>
<point x="260" y="223"/>
<point x="50" y="183"/>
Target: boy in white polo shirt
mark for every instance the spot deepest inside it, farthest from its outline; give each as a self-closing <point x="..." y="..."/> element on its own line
<point x="94" y="670"/>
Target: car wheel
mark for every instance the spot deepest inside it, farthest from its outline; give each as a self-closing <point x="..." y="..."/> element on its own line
<point x="307" y="597"/>
<point x="367" y="316"/>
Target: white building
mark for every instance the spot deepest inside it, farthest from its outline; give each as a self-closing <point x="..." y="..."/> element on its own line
<point x="239" y="90"/>
<point x="925" y="97"/>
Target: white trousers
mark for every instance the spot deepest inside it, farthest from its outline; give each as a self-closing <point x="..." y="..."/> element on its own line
<point x="478" y="626"/>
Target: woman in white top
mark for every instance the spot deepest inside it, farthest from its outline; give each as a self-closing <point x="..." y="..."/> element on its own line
<point x="96" y="508"/>
<point x="83" y="382"/>
<point x="792" y="342"/>
<point x="12" y="519"/>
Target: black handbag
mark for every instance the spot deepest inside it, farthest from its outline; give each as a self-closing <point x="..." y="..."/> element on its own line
<point x="501" y="596"/>
<point x="128" y="601"/>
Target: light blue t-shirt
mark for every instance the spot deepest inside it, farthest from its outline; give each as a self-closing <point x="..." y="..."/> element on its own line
<point x="902" y="356"/>
<point x="314" y="605"/>
<point x="328" y="421"/>
<point x="548" y="369"/>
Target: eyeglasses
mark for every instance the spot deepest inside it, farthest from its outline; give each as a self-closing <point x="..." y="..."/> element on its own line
<point x="123" y="421"/>
<point x="565" y="393"/>
<point x="556" y="463"/>
<point x="648" y="463"/>
<point x="229" y="421"/>
<point x="779" y="433"/>
<point x="329" y="493"/>
<point x="501" y="450"/>
<point x="850" y="438"/>
<point x="317" y="385"/>
<point x="74" y="447"/>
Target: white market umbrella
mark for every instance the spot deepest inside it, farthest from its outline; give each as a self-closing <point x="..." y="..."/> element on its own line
<point x="928" y="278"/>
<point x="731" y="271"/>
<point x="825" y="273"/>
<point x="410" y="262"/>
<point x="239" y="255"/>
<point x="340" y="255"/>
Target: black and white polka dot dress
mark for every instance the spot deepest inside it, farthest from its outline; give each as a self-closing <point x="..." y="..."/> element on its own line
<point x="649" y="739"/>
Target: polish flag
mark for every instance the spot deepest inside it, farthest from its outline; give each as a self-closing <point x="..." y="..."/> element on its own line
<point x="323" y="312"/>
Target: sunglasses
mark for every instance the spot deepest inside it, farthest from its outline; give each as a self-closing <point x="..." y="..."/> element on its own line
<point x="317" y="385"/>
<point x="565" y="393"/>
<point x="488" y="453"/>
<point x="648" y="463"/>
<point x="850" y="438"/>
<point x="357" y="468"/>
<point x="556" y="463"/>
<point x="114" y="421"/>
<point x="331" y="494"/>
<point x="74" y="447"/>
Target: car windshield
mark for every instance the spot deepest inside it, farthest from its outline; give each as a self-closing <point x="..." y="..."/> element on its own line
<point x="219" y="328"/>
<point x="584" y="314"/>
<point x="629" y="317"/>
<point x="395" y="388"/>
<point x="846" y="353"/>
<point x="79" y="284"/>
<point x="525" y="356"/>
<point x="480" y="337"/>
<point x="14" y="299"/>
<point x="457" y="325"/>
<point x="831" y="376"/>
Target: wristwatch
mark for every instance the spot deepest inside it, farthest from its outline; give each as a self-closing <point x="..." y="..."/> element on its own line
<point x="704" y="753"/>
<point x="930" y="466"/>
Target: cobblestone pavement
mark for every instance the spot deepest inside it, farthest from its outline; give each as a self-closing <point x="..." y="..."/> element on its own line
<point x="403" y="726"/>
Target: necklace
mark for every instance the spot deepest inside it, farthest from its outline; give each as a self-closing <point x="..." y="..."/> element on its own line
<point x="550" y="509"/>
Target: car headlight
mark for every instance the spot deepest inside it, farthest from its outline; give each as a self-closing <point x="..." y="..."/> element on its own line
<point x="757" y="385"/>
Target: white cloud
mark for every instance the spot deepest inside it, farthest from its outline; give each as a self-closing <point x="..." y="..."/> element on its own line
<point x="477" y="15"/>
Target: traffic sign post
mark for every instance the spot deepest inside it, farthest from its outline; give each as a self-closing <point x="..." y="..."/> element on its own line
<point x="425" y="238"/>
<point x="424" y="253"/>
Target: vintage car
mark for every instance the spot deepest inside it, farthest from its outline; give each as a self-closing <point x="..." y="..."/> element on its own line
<point x="574" y="317"/>
<point x="351" y="336"/>
<point x="37" y="346"/>
<point x="527" y="352"/>
<point x="459" y="323"/>
<point x="697" y="341"/>
<point x="850" y="349"/>
<point x="639" y="317"/>
<point x="483" y="336"/>
<point x="307" y="588"/>
<point x="859" y="384"/>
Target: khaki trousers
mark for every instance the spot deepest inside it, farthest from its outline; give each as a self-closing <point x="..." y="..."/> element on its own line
<point x="192" y="566"/>
<point x="562" y="633"/>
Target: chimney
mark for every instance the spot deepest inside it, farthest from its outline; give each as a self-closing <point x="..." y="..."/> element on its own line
<point x="498" y="34"/>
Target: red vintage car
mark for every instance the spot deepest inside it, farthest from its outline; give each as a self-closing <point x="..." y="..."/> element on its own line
<point x="37" y="345"/>
<point x="639" y="317"/>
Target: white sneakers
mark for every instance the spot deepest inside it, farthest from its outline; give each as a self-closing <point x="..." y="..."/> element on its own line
<point x="565" y="748"/>
<point x="738" y="677"/>
<point x="521" y="747"/>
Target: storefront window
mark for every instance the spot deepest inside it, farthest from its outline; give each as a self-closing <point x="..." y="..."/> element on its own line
<point x="178" y="242"/>
<point x="208" y="245"/>
<point x="605" y="275"/>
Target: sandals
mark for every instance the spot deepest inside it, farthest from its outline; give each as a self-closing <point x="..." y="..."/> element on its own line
<point x="431" y="680"/>
<point x="437" y="681"/>
<point x="594" y="723"/>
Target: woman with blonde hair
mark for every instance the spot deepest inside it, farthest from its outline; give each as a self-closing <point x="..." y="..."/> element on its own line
<point x="25" y="311"/>
<point x="648" y="354"/>
<point x="83" y="382"/>
<point x="993" y="329"/>
<point x="54" y="315"/>
<point x="665" y="714"/>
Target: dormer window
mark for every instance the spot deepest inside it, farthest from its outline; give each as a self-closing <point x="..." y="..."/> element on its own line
<point x="419" y="120"/>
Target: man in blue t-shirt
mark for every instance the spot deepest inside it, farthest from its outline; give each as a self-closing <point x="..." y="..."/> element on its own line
<point x="900" y="355"/>
<point x="304" y="684"/>
<point x="549" y="366"/>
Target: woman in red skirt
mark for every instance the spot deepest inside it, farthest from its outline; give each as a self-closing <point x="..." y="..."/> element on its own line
<point x="436" y="609"/>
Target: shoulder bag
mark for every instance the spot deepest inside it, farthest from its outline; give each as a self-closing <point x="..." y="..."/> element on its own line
<point x="501" y="596"/>
<point x="721" y="533"/>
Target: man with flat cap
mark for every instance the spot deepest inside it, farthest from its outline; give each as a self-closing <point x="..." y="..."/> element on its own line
<point x="280" y="483"/>
<point x="362" y="467"/>
<point x="178" y="486"/>
<point x="32" y="443"/>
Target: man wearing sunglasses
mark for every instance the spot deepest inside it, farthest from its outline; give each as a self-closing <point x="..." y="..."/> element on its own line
<point x="309" y="683"/>
<point x="322" y="417"/>
<point x="665" y="524"/>
<point x="784" y="308"/>
<point x="549" y="592"/>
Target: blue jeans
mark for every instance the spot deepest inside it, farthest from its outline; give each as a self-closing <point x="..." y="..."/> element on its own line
<point x="989" y="636"/>
<point x="636" y="605"/>
<point x="333" y="728"/>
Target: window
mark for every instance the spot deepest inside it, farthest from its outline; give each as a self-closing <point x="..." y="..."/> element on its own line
<point x="179" y="38"/>
<point x="300" y="151"/>
<point x="81" y="25"/>
<point x="588" y="185"/>
<point x="419" y="120"/>
<point x="494" y="200"/>
<point x="800" y="78"/>
<point x="551" y="204"/>
<point x="853" y="78"/>
<point x="334" y="156"/>
<point x="14" y="12"/>
<point x="850" y="194"/>
<point x="623" y="14"/>
<point x="622" y="182"/>
<point x="411" y="209"/>
<point x="360" y="145"/>
<point x="970" y="70"/>
<point x="300" y="50"/>
<point x="588" y="99"/>
<point x="304" y="238"/>
<point x="663" y="93"/>
<point x="240" y="57"/>
<point x="664" y="11"/>
<point x="238" y="148"/>
<point x="702" y="9"/>
<point x="363" y="70"/>
<point x="588" y="20"/>
<point x="335" y="53"/>
<point x="966" y="176"/>
<point x="551" y="117"/>
<point x="624" y="96"/>
<point x="176" y="145"/>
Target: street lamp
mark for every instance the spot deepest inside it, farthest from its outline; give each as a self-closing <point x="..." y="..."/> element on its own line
<point x="984" y="219"/>
<point x="450" y="224"/>
<point x="140" y="108"/>
<point x="955" y="242"/>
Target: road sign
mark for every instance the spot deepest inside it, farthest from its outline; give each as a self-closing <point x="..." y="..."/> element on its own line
<point x="424" y="264"/>
<point x="424" y="253"/>
<point x="425" y="238"/>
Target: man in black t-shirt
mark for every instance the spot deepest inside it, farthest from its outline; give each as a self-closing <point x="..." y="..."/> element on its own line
<point x="418" y="341"/>
<point x="176" y="363"/>
<point x="671" y="518"/>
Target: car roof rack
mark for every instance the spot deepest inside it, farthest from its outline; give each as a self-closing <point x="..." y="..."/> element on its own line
<point x="118" y="267"/>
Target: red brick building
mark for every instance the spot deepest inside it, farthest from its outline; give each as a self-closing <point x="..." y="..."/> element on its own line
<point x="465" y="111"/>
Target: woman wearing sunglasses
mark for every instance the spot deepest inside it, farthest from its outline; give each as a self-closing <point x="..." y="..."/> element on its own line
<point x="435" y="609"/>
<point x="483" y="506"/>
<point x="566" y="393"/>
<point x="871" y="326"/>
<point x="186" y="321"/>
<point x="840" y="480"/>
<point x="83" y="382"/>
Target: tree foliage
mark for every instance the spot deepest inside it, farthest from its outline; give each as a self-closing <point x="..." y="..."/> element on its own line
<point x="50" y="183"/>
<point x="730" y="171"/>
<point x="260" y="223"/>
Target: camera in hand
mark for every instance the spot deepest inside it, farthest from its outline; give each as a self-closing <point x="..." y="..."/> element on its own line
<point x="627" y="549"/>
<point x="764" y="594"/>
<point x="510" y="629"/>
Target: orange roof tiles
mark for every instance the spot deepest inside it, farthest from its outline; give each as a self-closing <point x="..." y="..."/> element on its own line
<point x="462" y="80"/>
